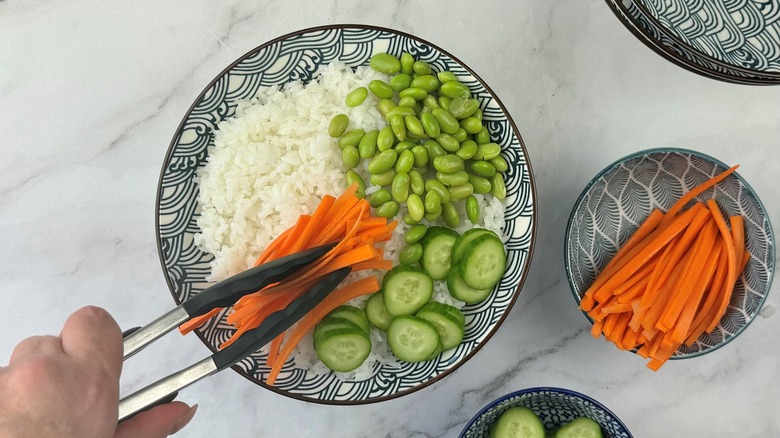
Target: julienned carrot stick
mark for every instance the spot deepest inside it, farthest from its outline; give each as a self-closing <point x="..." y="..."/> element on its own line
<point x="196" y="322"/>
<point x="696" y="293"/>
<point x="643" y="231"/>
<point x="731" y="272"/>
<point x="335" y="299"/>
<point x="694" y="192"/>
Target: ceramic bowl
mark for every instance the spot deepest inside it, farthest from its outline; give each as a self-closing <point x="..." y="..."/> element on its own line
<point x="298" y="56"/>
<point x="553" y="406"/>
<point x="622" y="195"/>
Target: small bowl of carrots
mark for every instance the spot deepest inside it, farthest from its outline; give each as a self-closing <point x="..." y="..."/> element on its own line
<point x="669" y="253"/>
<point x="553" y="412"/>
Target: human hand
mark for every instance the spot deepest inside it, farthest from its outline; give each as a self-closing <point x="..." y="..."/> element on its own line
<point x="68" y="386"/>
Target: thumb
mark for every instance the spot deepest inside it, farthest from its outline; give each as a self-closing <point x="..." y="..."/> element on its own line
<point x="158" y="422"/>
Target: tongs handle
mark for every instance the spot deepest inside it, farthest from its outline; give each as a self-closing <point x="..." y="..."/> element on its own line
<point x="248" y="343"/>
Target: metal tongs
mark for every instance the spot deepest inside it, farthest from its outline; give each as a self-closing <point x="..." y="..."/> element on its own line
<point x="224" y="294"/>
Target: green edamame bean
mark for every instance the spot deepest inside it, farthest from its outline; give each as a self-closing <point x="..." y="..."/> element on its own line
<point x="471" y="125"/>
<point x="367" y="145"/>
<point x="415" y="206"/>
<point x="432" y="202"/>
<point x="338" y="125"/>
<point x="446" y="76"/>
<point x="398" y="126"/>
<point x="383" y="179"/>
<point x="351" y="138"/>
<point x="430" y="124"/>
<point x="447" y="123"/>
<point x="414" y="126"/>
<point x="434" y="149"/>
<point x="410" y="254"/>
<point x="356" y="97"/>
<point x="448" y="142"/>
<point x="499" y="163"/>
<point x="478" y="114"/>
<point x="430" y="102"/>
<point x="432" y="217"/>
<point x="415" y="234"/>
<point x="405" y="161"/>
<point x="421" y="68"/>
<point x="482" y="168"/>
<point x="388" y="209"/>
<point x="444" y="102"/>
<point x="381" y="89"/>
<point x="383" y="162"/>
<point x="350" y="157"/>
<point x="448" y="163"/>
<point x="385" y="105"/>
<point x="453" y="89"/>
<point x="428" y="83"/>
<point x="472" y="209"/>
<point x="407" y="63"/>
<point x="453" y="179"/>
<point x="433" y="185"/>
<point x="352" y="178"/>
<point x="400" y="187"/>
<point x="498" y="188"/>
<point x="386" y="139"/>
<point x="420" y="156"/>
<point x="460" y="192"/>
<point x="483" y="136"/>
<point x="400" y="110"/>
<point x="467" y="149"/>
<point x="416" y="93"/>
<point x="404" y="146"/>
<point x="407" y="102"/>
<point x="460" y="135"/>
<point x="481" y="185"/>
<point x="400" y="81"/>
<point x="450" y="214"/>
<point x="416" y="182"/>
<point x="385" y="63"/>
<point x="487" y="151"/>
<point x="461" y="108"/>
<point x="408" y="219"/>
<point x="379" y="197"/>
<point x="418" y="109"/>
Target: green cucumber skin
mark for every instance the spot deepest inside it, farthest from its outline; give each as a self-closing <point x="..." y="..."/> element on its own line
<point x="438" y="267"/>
<point x="465" y="239"/>
<point x="377" y="313"/>
<point x="462" y="291"/>
<point x="324" y="346"/>
<point x="479" y="254"/>
<point x="354" y="314"/>
<point x="428" y="332"/>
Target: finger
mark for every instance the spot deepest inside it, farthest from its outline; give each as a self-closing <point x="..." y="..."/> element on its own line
<point x="35" y="346"/>
<point x="158" y="422"/>
<point x="92" y="335"/>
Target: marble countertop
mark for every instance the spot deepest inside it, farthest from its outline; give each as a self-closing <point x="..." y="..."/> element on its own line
<point x="91" y="93"/>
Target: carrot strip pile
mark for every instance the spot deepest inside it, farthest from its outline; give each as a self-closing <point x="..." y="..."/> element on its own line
<point x="673" y="279"/>
<point x="345" y="221"/>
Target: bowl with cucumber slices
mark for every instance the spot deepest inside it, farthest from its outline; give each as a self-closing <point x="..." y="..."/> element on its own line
<point x="545" y="412"/>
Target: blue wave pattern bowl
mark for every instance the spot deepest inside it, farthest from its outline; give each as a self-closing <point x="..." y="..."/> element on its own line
<point x="553" y="406"/>
<point x="298" y="56"/>
<point x="617" y="201"/>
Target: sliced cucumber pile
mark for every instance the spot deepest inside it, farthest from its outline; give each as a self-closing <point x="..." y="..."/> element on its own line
<point x="341" y="339"/>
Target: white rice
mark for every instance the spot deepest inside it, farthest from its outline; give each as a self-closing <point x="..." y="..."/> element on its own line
<point x="273" y="162"/>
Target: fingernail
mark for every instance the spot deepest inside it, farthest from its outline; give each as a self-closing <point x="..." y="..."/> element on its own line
<point x="185" y="419"/>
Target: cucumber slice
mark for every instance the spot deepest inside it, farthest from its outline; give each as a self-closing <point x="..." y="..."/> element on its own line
<point x="437" y="251"/>
<point x="484" y="262"/>
<point x="354" y="314"/>
<point x="446" y="308"/>
<point x="462" y="291"/>
<point x="330" y="323"/>
<point x="460" y="245"/>
<point x="518" y="422"/>
<point x="377" y="313"/>
<point x="582" y="427"/>
<point x="405" y="290"/>
<point x="413" y="339"/>
<point x="450" y="329"/>
<point x="343" y="349"/>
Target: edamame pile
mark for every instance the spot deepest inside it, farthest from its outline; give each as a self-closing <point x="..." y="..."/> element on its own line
<point x="434" y="153"/>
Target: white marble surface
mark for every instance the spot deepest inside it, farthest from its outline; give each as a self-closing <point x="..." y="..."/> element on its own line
<point x="91" y="93"/>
